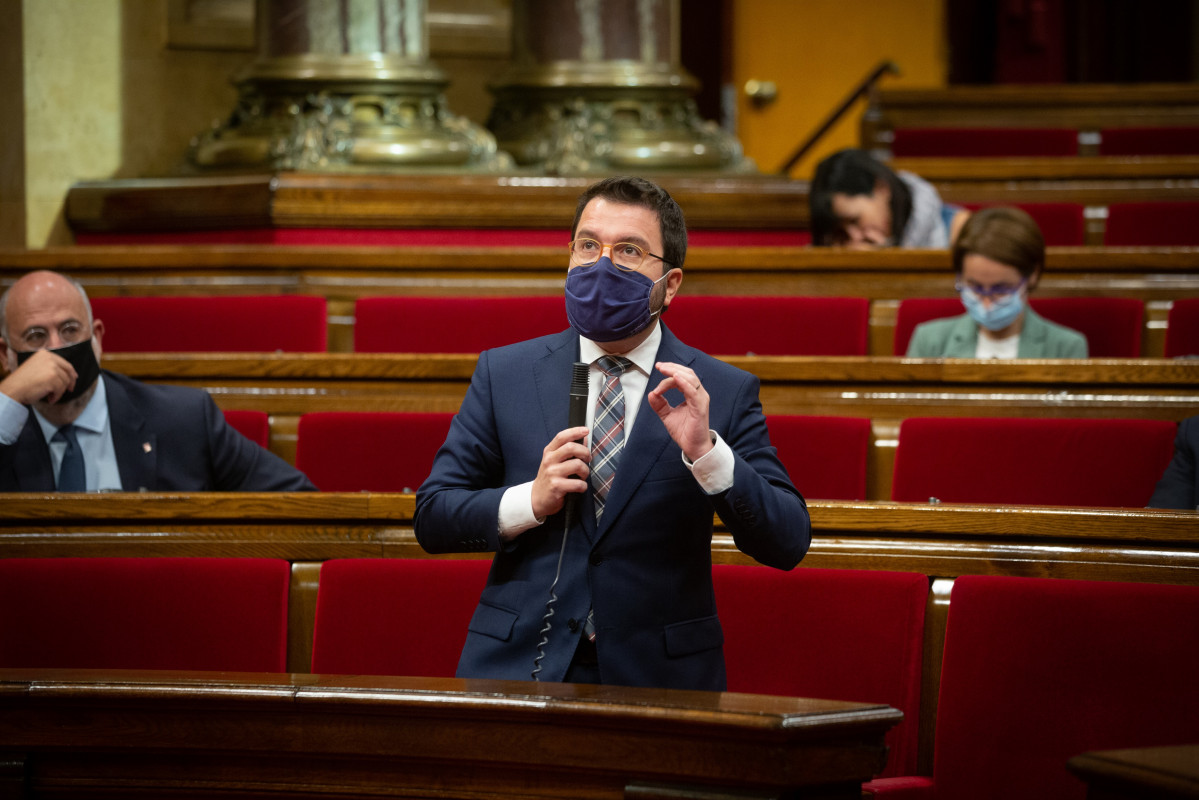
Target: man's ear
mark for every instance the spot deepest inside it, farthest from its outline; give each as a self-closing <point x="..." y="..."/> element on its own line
<point x="674" y="279"/>
<point x="97" y="335"/>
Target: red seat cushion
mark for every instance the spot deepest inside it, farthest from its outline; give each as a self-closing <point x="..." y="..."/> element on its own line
<point x="1036" y="671"/>
<point x="369" y="451"/>
<point x="395" y="616"/>
<point x="1001" y="460"/>
<point x="254" y="425"/>
<point x="453" y="324"/>
<point x="288" y="323"/>
<point x="1173" y="141"/>
<point x="772" y="325"/>
<point x="984" y="142"/>
<point x="837" y="634"/>
<point x="826" y="457"/>
<point x="1165" y="224"/>
<point x="144" y="613"/>
<point x="1182" y="328"/>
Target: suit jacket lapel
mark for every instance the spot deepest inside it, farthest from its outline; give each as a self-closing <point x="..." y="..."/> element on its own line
<point x="31" y="459"/>
<point x="551" y="379"/>
<point x="648" y="440"/>
<point x="136" y="449"/>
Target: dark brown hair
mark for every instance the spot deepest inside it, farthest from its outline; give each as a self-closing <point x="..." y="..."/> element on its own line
<point x="1004" y="234"/>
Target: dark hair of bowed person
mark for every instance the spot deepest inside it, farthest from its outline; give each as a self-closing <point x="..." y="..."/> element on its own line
<point x="853" y="172"/>
<point x="1007" y="235"/>
<point x="640" y="192"/>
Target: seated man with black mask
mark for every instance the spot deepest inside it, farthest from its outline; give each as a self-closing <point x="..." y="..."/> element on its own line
<point x="67" y="425"/>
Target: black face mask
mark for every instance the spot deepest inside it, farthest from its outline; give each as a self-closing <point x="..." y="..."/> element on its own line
<point x="82" y="357"/>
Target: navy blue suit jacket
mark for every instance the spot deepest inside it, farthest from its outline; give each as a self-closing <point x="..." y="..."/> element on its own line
<point x="646" y="569"/>
<point x="167" y="438"/>
<point x="1179" y="484"/>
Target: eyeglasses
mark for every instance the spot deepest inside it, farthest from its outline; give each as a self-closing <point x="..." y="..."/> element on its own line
<point x="1001" y="292"/>
<point x="71" y="332"/>
<point x="625" y="255"/>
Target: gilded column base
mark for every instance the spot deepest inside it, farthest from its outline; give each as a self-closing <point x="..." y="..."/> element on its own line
<point x="565" y="122"/>
<point x="309" y="114"/>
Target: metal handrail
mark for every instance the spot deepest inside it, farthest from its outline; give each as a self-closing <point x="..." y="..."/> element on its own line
<point x="862" y="88"/>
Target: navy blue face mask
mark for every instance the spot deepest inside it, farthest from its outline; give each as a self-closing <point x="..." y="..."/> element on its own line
<point x="606" y="304"/>
<point x="82" y="357"/>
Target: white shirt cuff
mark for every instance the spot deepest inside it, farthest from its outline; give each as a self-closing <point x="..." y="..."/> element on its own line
<point x="714" y="469"/>
<point x="12" y="419"/>
<point x="516" y="511"/>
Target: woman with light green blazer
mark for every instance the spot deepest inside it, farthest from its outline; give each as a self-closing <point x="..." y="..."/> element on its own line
<point x="998" y="259"/>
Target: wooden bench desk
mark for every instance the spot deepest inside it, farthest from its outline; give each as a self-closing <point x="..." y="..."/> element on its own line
<point x="178" y="734"/>
<point x="940" y="541"/>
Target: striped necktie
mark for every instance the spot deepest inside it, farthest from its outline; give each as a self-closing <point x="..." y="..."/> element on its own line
<point x="607" y="430"/>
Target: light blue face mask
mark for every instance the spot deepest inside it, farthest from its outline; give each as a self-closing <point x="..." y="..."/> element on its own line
<point x="1001" y="314"/>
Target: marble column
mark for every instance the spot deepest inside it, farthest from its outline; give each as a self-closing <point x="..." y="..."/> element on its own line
<point x="344" y="85"/>
<point x="598" y="86"/>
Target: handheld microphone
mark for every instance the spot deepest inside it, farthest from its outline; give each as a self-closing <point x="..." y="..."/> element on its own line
<point x="576" y="418"/>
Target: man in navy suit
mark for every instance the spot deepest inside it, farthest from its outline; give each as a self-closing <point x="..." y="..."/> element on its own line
<point x="1179" y="484"/>
<point x="57" y="406"/>
<point x="624" y="595"/>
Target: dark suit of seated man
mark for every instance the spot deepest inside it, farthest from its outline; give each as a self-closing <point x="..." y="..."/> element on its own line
<point x="1179" y="484"/>
<point x="633" y="601"/>
<point x="65" y="424"/>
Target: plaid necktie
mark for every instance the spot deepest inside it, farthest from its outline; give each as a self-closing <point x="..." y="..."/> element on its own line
<point x="607" y="431"/>
<point x="70" y="472"/>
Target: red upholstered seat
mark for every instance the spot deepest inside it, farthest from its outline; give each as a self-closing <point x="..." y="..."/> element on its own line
<point x="453" y="324"/>
<point x="144" y="613"/>
<point x="1182" y="328"/>
<point x="984" y="142"/>
<point x="254" y="425"/>
<point x="395" y="616"/>
<point x="782" y="325"/>
<point x="1180" y="140"/>
<point x="1112" y="325"/>
<point x="1062" y="224"/>
<point x="837" y="634"/>
<point x="825" y="456"/>
<point x="1164" y="224"/>
<point x="1002" y="460"/>
<point x="229" y="324"/>
<point x="1038" y="670"/>
<point x="369" y="451"/>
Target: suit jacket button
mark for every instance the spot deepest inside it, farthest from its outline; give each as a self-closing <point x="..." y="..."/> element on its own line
<point x="596" y="559"/>
<point x="573" y="624"/>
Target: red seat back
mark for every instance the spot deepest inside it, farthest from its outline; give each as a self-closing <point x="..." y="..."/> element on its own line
<point x="1112" y="325"/>
<point x="144" y="613"/>
<point x="395" y="616"/>
<point x="254" y="425"/>
<point x="287" y="323"/>
<point x="984" y="142"/>
<point x="1182" y="328"/>
<point x="453" y="324"/>
<point x="1005" y="460"/>
<point x="774" y="325"/>
<point x="837" y="634"/>
<point x="1165" y="224"/>
<point x="1180" y="140"/>
<point x="1038" y="670"/>
<point x="1062" y="224"/>
<point x="826" y="457"/>
<point x="369" y="451"/>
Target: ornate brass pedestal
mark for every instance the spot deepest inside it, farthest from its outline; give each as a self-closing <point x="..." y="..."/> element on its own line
<point x="596" y="86"/>
<point x="343" y="88"/>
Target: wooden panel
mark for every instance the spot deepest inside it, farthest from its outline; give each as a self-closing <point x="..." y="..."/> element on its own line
<point x="228" y="735"/>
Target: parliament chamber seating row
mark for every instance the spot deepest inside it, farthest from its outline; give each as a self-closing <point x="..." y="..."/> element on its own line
<point x="750" y="325"/>
<point x="1066" y="462"/>
<point x="999" y="141"/>
<point x="1032" y="671"/>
